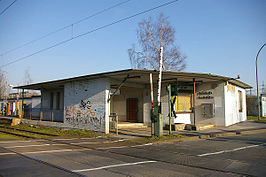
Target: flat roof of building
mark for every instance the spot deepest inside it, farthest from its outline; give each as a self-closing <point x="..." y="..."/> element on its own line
<point x="140" y="76"/>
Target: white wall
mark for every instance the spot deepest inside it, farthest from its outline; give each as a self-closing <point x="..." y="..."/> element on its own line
<point x="85" y="105"/>
<point x="263" y="106"/>
<point x="232" y="114"/>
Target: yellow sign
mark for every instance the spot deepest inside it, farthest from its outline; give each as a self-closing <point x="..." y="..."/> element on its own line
<point x="231" y="88"/>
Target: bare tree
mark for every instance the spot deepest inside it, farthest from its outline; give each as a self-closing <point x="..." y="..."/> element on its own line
<point x="27" y="77"/>
<point x="3" y="86"/>
<point x="152" y="35"/>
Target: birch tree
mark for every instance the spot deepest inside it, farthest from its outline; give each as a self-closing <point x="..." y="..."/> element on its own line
<point x="152" y="35"/>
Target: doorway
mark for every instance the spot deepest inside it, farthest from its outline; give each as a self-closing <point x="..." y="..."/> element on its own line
<point x="132" y="109"/>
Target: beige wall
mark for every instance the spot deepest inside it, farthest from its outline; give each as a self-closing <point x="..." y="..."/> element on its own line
<point x="119" y="102"/>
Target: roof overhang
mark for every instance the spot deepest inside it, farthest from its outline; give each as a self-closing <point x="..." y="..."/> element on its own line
<point x="140" y="76"/>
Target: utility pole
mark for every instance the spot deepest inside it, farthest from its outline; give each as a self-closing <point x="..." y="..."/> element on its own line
<point x="159" y="123"/>
<point x="6" y="85"/>
<point x="257" y="80"/>
<point x="6" y="93"/>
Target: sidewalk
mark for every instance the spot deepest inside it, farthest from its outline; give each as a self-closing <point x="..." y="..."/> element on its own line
<point x="239" y="128"/>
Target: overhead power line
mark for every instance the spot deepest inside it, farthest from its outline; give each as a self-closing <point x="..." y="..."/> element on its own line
<point x="7" y="7"/>
<point x="65" y="27"/>
<point x="88" y="32"/>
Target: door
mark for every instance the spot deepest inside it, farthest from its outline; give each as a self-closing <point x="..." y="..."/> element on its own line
<point x="132" y="109"/>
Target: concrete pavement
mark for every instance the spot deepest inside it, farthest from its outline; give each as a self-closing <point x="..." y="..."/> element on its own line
<point x="241" y="155"/>
<point x="240" y="128"/>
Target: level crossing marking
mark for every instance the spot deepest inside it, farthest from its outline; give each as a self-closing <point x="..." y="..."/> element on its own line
<point x="140" y="145"/>
<point x="50" y="151"/>
<point x="112" y="166"/>
<point x="69" y="139"/>
<point x="114" y="147"/>
<point x="36" y="145"/>
<point x="232" y="150"/>
<point x="14" y="142"/>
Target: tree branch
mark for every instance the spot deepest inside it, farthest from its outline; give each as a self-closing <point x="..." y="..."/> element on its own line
<point x="147" y="59"/>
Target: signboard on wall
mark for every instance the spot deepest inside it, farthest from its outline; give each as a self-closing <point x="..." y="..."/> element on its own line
<point x="207" y="110"/>
<point x="231" y="88"/>
<point x="205" y="95"/>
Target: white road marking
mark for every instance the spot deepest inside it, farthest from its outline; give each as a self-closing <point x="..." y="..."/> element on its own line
<point x="112" y="166"/>
<point x="140" y="145"/>
<point x="14" y="142"/>
<point x="59" y="150"/>
<point x="92" y="142"/>
<point x="34" y="145"/>
<point x="69" y="139"/>
<point x="117" y="147"/>
<point x="66" y="139"/>
<point x="232" y="150"/>
<point x="50" y="151"/>
<point x="7" y="153"/>
<point x="114" y="147"/>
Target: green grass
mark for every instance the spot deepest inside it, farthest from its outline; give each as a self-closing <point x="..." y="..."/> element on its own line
<point x="48" y="130"/>
<point x="4" y="136"/>
<point x="57" y="131"/>
<point x="255" y="118"/>
<point x="162" y="138"/>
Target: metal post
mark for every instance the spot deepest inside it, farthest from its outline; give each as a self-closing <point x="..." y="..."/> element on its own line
<point x="41" y="114"/>
<point x="22" y="103"/>
<point x="116" y="119"/>
<point x="6" y="94"/>
<point x="194" y="100"/>
<point x="257" y="80"/>
<point x="52" y="115"/>
<point x="30" y="113"/>
<point x="170" y="109"/>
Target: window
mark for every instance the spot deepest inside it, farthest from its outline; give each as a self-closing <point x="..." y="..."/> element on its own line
<point x="240" y="101"/>
<point x="58" y="100"/>
<point x="183" y="103"/>
<point x="51" y="100"/>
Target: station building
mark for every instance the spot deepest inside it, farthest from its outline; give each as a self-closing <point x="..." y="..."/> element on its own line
<point x="86" y="102"/>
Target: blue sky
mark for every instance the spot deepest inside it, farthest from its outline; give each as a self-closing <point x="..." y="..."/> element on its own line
<point x="219" y="37"/>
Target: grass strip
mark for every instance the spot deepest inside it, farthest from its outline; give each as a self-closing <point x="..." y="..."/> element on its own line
<point x="23" y="134"/>
<point x="5" y="136"/>
<point x="255" y="118"/>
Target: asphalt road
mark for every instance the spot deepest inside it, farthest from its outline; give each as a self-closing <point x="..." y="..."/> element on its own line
<point x="242" y="155"/>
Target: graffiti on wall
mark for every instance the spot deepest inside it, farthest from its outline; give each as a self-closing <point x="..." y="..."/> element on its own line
<point x="85" y="115"/>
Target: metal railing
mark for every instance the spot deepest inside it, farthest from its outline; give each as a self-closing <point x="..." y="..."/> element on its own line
<point x="44" y="114"/>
